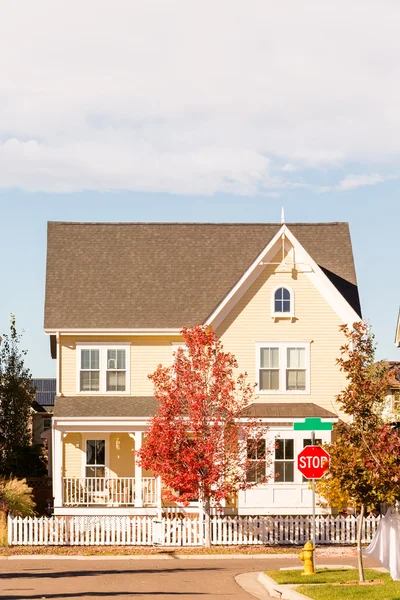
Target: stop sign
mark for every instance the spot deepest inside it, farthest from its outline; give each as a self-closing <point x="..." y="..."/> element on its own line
<point x="313" y="462"/>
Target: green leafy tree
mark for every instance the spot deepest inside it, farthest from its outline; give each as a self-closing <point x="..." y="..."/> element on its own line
<point x="16" y="398"/>
<point x="365" y="454"/>
<point x="16" y="499"/>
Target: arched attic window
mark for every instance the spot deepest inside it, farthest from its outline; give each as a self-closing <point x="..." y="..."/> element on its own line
<point x="282" y="302"/>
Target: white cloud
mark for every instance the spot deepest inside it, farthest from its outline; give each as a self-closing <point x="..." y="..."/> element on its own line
<point x="351" y="182"/>
<point x="195" y="97"/>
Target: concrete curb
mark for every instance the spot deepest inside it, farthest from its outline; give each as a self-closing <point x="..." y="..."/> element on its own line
<point x="276" y="590"/>
<point x="146" y="557"/>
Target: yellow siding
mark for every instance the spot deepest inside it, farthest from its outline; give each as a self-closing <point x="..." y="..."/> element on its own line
<point x="122" y="459"/>
<point x="73" y="455"/>
<point x="315" y="321"/>
<point x="147" y="352"/>
<point x="248" y="322"/>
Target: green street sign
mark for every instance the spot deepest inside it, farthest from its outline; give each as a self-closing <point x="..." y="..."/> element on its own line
<point x="313" y="424"/>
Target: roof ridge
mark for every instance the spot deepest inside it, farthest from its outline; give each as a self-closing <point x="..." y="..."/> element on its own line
<point x="167" y="223"/>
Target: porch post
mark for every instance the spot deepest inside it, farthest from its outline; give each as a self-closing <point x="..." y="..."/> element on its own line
<point x="159" y="506"/>
<point x="57" y="468"/>
<point x="138" y="471"/>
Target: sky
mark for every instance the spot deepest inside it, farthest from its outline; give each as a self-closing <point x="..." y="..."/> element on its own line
<point x="204" y="111"/>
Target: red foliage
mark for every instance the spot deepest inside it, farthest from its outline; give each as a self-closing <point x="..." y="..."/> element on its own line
<point x="192" y="443"/>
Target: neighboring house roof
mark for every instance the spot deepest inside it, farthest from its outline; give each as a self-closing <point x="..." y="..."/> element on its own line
<point x="286" y="410"/>
<point x="169" y="275"/>
<point x="45" y="391"/>
<point x="105" y="406"/>
<point x="146" y="406"/>
<point x="394" y="374"/>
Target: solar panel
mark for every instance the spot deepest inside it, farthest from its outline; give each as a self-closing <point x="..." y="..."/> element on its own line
<point x="45" y="391"/>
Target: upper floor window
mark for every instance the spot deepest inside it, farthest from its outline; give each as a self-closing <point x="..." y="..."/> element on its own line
<point x="283" y="368"/>
<point x="116" y="370"/>
<point x="103" y="369"/>
<point x="282" y="302"/>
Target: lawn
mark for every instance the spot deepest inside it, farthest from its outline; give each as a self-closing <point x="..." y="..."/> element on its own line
<point x="390" y="590"/>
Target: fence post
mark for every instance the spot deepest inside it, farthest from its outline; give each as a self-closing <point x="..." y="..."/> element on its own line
<point x="9" y="529"/>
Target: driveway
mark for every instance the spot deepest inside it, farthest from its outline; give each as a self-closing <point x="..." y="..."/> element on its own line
<point x="199" y="578"/>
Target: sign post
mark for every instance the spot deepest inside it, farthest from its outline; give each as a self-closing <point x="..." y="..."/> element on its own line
<point x="313" y="460"/>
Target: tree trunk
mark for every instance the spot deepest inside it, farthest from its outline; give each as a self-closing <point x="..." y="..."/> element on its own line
<point x="359" y="548"/>
<point x="207" y="522"/>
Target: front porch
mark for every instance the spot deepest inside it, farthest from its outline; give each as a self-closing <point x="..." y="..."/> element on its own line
<point x="96" y="471"/>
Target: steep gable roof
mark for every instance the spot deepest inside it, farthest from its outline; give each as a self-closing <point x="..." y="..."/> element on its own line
<point x="167" y="275"/>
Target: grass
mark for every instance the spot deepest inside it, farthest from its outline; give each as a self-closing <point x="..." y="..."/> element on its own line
<point x="390" y="590"/>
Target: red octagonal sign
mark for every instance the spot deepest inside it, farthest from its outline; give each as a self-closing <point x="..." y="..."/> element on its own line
<point x="313" y="462"/>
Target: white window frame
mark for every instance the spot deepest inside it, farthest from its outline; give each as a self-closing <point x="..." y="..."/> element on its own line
<point x="293" y="460"/>
<point x="96" y="435"/>
<point x="102" y="347"/>
<point x="282" y="315"/>
<point x="282" y="347"/>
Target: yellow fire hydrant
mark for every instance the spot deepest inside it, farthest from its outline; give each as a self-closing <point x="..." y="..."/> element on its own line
<point x="307" y="557"/>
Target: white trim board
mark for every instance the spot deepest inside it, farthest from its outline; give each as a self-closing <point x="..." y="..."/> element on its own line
<point x="116" y="331"/>
<point x="301" y="257"/>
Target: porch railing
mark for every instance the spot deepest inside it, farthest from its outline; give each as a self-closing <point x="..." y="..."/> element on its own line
<point x="149" y="491"/>
<point x="109" y="491"/>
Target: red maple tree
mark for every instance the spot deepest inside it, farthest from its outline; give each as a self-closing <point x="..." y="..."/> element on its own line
<point x="199" y="442"/>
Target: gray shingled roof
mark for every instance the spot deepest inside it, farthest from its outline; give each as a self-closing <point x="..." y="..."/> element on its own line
<point x="105" y="406"/>
<point x="168" y="275"/>
<point x="145" y="406"/>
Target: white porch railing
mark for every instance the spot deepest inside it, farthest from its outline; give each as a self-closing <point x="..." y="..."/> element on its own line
<point x="108" y="491"/>
<point x="86" y="491"/>
<point x="149" y="491"/>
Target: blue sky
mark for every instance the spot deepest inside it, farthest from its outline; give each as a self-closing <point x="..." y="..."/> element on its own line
<point x="373" y="218"/>
<point x="198" y="111"/>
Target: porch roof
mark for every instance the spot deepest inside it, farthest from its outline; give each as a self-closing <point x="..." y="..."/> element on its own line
<point x="105" y="406"/>
<point x="145" y="406"/>
<point x="292" y="410"/>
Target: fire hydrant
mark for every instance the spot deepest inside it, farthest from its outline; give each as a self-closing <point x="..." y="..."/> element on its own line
<point x="307" y="557"/>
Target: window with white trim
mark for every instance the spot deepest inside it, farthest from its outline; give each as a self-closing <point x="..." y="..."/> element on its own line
<point x="283" y="368"/>
<point x="296" y="368"/>
<point x="282" y="302"/>
<point x="95" y="458"/>
<point x="256" y="456"/>
<point x="284" y="460"/>
<point x="90" y="370"/>
<point x="116" y="371"/>
<point x="103" y="369"/>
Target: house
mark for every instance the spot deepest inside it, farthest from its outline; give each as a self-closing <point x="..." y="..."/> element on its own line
<point x="42" y="413"/>
<point x="43" y="406"/>
<point x="117" y="296"/>
<point x="391" y="409"/>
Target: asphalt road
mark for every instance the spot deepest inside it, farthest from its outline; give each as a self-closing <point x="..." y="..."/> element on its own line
<point x="135" y="579"/>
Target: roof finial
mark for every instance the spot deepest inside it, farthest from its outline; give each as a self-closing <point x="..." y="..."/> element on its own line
<point x="282" y="216"/>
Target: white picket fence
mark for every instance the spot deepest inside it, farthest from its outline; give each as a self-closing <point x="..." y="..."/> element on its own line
<point x="184" y="531"/>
